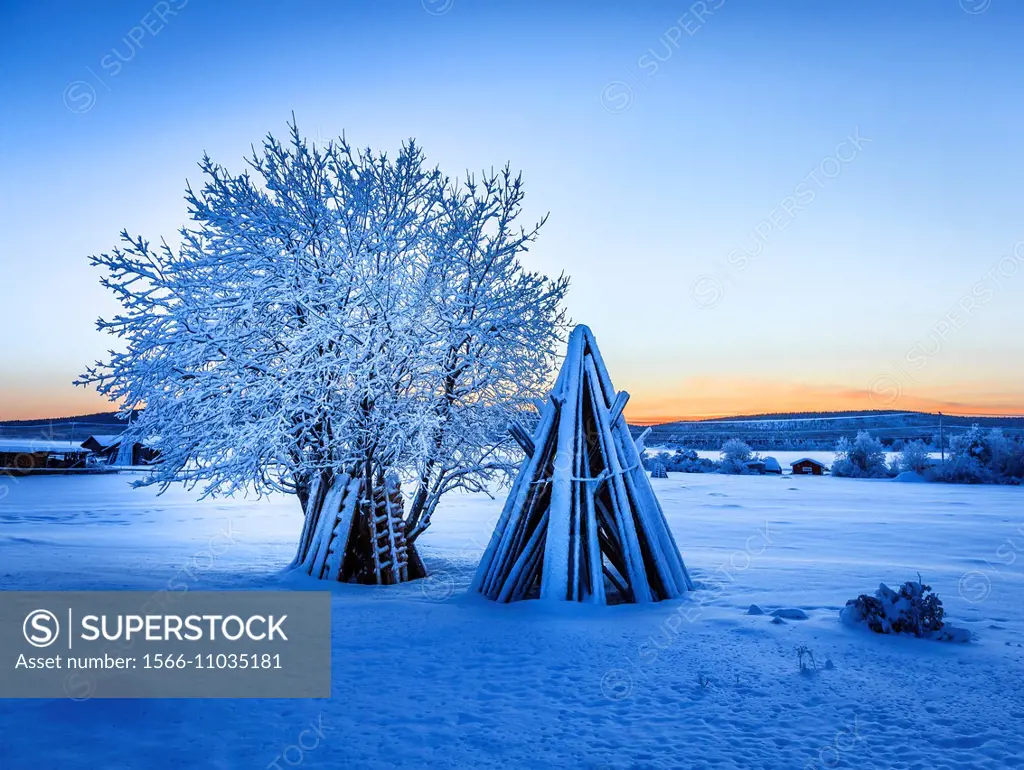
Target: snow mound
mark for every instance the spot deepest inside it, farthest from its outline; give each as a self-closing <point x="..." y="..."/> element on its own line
<point x="790" y="613"/>
<point x="911" y="477"/>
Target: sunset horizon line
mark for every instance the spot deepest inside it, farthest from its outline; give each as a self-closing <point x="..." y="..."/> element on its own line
<point x="648" y="420"/>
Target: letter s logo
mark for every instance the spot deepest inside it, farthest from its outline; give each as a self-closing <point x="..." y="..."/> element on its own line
<point x="41" y="628"/>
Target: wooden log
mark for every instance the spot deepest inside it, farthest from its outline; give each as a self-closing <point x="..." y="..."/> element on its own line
<point x="523" y="501"/>
<point x="555" y="579"/>
<point x="615" y="412"/>
<point x="619" y="585"/>
<point x="639" y="443"/>
<point x="519" y="577"/>
<point x="656" y="566"/>
<point x="342" y="531"/>
<point x="621" y="509"/>
<point x="328" y="521"/>
<point x="522" y="437"/>
<point x="511" y="512"/>
<point x="670" y="564"/>
<point x="578" y="577"/>
<point x="652" y="511"/>
<point x="604" y="380"/>
<point x="594" y="561"/>
<point x="612" y="549"/>
<point x="310" y="518"/>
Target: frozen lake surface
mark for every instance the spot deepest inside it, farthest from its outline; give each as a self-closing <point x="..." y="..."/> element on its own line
<point x="425" y="675"/>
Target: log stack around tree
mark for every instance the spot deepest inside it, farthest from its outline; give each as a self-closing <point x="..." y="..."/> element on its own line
<point x="582" y="522"/>
<point x="349" y="539"/>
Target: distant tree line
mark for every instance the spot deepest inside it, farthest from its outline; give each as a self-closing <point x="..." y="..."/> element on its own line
<point x="974" y="456"/>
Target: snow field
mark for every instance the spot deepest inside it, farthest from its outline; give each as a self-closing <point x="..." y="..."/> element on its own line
<point x="434" y="677"/>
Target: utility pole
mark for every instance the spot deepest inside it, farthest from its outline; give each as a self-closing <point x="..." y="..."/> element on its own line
<point x="942" y="441"/>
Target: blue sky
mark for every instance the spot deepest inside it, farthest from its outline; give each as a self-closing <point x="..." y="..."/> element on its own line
<point x="762" y="206"/>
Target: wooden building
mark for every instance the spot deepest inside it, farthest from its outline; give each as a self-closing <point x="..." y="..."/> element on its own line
<point x="24" y="456"/>
<point x="808" y="467"/>
<point x="108" y="449"/>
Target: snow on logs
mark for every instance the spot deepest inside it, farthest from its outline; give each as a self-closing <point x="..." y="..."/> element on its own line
<point x="581" y="522"/>
<point x="349" y="539"/>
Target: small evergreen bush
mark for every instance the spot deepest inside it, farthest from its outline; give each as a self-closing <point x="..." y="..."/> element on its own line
<point x="913" y="610"/>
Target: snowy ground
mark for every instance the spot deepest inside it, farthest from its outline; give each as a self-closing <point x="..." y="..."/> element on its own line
<point x="435" y="678"/>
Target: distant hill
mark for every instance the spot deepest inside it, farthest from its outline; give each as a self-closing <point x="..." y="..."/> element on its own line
<point x="76" y="428"/>
<point x="881" y="414"/>
<point x="821" y="430"/>
<point x="788" y="430"/>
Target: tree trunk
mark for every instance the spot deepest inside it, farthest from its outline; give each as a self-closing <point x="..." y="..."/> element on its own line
<point x="352" y="537"/>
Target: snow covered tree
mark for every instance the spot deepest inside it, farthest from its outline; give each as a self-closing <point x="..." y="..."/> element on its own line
<point x="735" y="455"/>
<point x="498" y="328"/>
<point x="914" y="458"/>
<point x="977" y="457"/>
<point x="333" y="321"/>
<point x="861" y="458"/>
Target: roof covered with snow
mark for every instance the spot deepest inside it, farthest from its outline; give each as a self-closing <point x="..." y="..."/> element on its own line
<point x="30" y="445"/>
<point x="807" y="460"/>
<point x="106" y="439"/>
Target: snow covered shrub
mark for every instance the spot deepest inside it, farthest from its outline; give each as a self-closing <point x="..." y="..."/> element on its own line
<point x="649" y="459"/>
<point x="977" y="457"/>
<point x="735" y="453"/>
<point x="680" y="461"/>
<point x="686" y="460"/>
<point x="861" y="458"/>
<point x="913" y="610"/>
<point x="914" y="458"/>
<point x="684" y="454"/>
<point x="335" y="320"/>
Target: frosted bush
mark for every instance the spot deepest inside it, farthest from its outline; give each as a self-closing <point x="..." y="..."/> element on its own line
<point x="977" y="457"/>
<point x="735" y="455"/>
<point x="682" y="460"/>
<point x="913" y="610"/>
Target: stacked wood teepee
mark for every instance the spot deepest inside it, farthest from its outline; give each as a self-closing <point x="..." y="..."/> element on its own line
<point x="582" y="522"/>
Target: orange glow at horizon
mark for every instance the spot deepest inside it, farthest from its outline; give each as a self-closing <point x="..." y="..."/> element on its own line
<point x="691" y="399"/>
<point x="704" y="398"/>
<point x="50" y="403"/>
